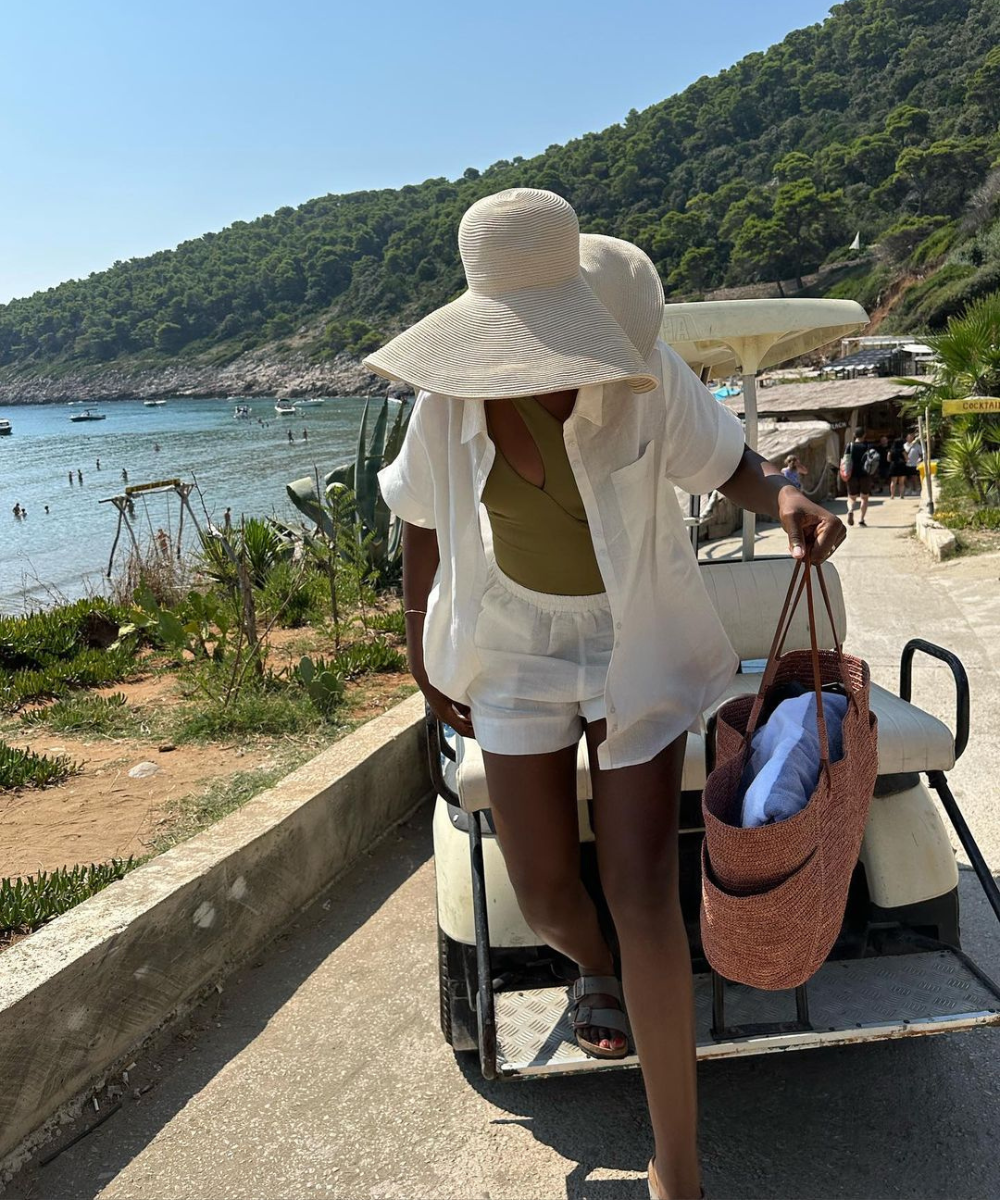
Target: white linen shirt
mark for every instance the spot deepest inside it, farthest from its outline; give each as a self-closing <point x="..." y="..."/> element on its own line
<point x="671" y="657"/>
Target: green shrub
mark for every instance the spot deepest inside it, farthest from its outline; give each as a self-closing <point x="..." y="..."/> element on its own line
<point x="254" y="711"/>
<point x="44" y="654"/>
<point x="105" y="715"/>
<point x="297" y="594"/>
<point x="392" y="621"/>
<point x="30" y="901"/>
<point x="24" y="768"/>
<point x="365" y="657"/>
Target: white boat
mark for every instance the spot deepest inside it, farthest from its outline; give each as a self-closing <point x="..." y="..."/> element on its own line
<point x="153" y="403"/>
<point x="309" y="403"/>
<point x="87" y="415"/>
<point x="6" y="428"/>
<point x="242" y="412"/>
<point x="284" y="409"/>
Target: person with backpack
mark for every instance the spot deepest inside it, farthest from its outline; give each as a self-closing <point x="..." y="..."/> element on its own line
<point x="864" y="465"/>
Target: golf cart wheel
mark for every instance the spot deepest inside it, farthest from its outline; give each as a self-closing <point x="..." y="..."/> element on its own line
<point x="457" y="982"/>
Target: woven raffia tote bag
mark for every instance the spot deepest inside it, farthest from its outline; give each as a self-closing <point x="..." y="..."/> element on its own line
<point x="773" y="896"/>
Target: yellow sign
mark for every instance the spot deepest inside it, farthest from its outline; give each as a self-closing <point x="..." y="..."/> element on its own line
<point x="971" y="404"/>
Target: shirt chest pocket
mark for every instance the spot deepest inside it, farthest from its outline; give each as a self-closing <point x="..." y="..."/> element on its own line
<point x="635" y="489"/>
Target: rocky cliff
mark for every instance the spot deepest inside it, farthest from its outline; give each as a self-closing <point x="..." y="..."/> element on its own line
<point x="257" y="373"/>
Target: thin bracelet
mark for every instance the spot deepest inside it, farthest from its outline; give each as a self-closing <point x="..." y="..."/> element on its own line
<point x="421" y="611"/>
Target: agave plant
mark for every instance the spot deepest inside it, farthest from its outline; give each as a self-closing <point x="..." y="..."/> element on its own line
<point x="376" y="527"/>
<point x="965" y="459"/>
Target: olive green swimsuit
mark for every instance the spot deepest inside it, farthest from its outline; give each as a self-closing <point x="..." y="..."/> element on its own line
<point x="541" y="538"/>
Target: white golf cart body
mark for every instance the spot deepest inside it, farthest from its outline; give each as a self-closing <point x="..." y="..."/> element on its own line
<point x="897" y="968"/>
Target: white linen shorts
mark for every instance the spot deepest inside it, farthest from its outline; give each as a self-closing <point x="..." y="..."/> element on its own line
<point x="544" y="665"/>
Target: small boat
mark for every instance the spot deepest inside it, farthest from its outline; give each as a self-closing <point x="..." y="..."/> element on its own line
<point x="6" y="428"/>
<point x="242" y="412"/>
<point x="309" y="403"/>
<point x="153" y="403"/>
<point x="284" y="409"/>
<point x="88" y="415"/>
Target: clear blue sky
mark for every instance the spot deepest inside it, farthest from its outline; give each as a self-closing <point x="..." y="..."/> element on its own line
<point x="127" y="127"/>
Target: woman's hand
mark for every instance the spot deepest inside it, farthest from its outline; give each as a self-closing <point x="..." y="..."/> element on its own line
<point x="811" y="529"/>
<point x="449" y="711"/>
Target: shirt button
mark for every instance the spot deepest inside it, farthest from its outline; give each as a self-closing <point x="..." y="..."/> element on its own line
<point x="612" y="708"/>
<point x="618" y="624"/>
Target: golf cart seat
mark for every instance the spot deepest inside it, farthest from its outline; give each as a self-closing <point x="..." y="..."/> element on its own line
<point x="748" y="596"/>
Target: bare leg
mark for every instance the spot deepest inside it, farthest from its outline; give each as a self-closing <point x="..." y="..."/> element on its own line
<point x="533" y="798"/>
<point x="636" y="818"/>
<point x="864" y="505"/>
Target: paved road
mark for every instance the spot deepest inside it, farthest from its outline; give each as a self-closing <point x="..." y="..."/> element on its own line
<point x="321" y="1071"/>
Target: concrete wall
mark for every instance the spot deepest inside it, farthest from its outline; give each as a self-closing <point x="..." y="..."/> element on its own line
<point x="89" y="987"/>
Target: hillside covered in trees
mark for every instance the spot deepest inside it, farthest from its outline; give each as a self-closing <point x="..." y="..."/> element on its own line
<point x="882" y="119"/>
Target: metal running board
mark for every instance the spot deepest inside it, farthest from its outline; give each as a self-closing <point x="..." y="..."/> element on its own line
<point x="856" y="1000"/>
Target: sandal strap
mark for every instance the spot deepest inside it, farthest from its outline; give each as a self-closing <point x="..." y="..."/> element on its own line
<point x="589" y="984"/>
<point x="610" y="1018"/>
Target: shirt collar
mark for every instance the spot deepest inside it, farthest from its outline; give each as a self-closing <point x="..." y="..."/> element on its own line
<point x="589" y="405"/>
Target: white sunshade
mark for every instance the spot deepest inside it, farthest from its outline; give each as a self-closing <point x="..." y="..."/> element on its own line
<point x="746" y="335"/>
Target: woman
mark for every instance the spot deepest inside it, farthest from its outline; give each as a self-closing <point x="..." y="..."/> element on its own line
<point x="545" y="397"/>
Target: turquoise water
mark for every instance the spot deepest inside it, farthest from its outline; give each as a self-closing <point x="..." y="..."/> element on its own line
<point x="238" y="463"/>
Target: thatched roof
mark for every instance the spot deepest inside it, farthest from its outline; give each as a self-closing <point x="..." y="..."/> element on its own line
<point x="824" y="395"/>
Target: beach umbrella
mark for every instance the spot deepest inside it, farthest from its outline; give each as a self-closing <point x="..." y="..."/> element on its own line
<point x="725" y="336"/>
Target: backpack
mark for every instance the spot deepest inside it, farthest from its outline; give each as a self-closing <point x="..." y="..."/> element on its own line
<point x="872" y="461"/>
<point x="846" y="463"/>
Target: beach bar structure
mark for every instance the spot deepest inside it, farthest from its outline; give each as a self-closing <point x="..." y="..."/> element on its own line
<point x="844" y="404"/>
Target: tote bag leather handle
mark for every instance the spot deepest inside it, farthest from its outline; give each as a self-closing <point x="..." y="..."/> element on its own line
<point x="788" y="609"/>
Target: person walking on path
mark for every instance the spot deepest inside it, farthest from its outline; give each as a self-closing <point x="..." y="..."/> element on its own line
<point x="860" y="482"/>
<point x="897" y="470"/>
<point x="562" y="413"/>
<point x="914" y="457"/>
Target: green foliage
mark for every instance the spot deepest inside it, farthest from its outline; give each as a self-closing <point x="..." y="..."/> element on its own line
<point x="30" y="901"/>
<point x="107" y="716"/>
<point x="324" y="686"/>
<point x="890" y="106"/>
<point x="392" y="621"/>
<point x="24" y="768"/>
<point x="257" y="710"/>
<point x="43" y="654"/>
<point x="364" y="657"/>
<point x="200" y="625"/>
<point x="294" y="594"/>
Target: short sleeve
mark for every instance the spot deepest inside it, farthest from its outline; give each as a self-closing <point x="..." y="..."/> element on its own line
<point x="407" y="483"/>
<point x="703" y="440"/>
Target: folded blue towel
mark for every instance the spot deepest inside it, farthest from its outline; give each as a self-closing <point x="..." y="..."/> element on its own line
<point x="783" y="769"/>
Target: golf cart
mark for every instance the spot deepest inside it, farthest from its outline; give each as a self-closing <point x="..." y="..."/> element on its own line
<point x="897" y="968"/>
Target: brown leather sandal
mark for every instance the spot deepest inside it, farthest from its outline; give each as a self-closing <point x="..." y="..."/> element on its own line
<point x="583" y="1015"/>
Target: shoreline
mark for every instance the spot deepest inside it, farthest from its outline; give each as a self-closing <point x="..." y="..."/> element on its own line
<point x="256" y="373"/>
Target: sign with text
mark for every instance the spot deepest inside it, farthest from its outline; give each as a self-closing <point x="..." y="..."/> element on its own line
<point x="971" y="404"/>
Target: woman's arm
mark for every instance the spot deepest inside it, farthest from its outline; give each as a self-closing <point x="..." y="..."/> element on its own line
<point x="421" y="557"/>
<point x="759" y="486"/>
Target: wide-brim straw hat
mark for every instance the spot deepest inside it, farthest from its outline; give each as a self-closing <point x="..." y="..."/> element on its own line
<point x="529" y="322"/>
<point x="628" y="285"/>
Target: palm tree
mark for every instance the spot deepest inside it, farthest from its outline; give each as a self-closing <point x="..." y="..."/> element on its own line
<point x="968" y="365"/>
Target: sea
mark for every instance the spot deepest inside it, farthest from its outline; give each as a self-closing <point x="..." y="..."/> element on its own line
<point x="62" y="553"/>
